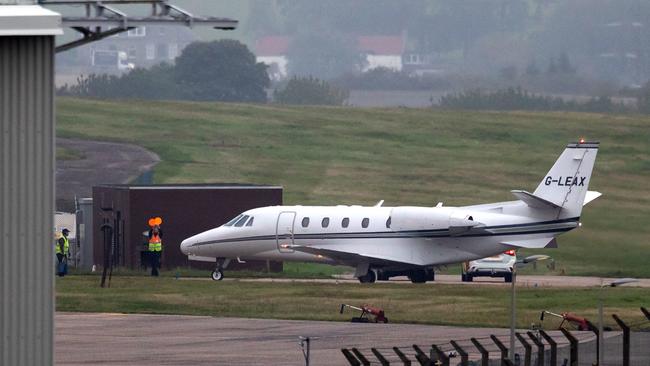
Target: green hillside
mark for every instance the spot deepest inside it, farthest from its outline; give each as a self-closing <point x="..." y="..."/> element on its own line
<point x="328" y="155"/>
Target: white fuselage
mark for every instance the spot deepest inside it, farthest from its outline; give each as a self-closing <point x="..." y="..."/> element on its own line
<point x="405" y="238"/>
<point x="415" y="236"/>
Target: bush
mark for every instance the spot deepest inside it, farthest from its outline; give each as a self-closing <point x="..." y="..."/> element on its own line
<point x="310" y="90"/>
<point x="518" y="99"/>
<point x="154" y="83"/>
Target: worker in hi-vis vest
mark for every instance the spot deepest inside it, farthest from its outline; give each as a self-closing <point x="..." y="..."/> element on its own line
<point x="62" y="249"/>
<point x="155" y="248"/>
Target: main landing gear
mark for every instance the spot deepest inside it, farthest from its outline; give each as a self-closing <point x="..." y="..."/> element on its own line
<point x="415" y="275"/>
<point x="217" y="274"/>
<point x="369" y="277"/>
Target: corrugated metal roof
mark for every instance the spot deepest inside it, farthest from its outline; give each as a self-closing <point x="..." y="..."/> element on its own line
<point x="29" y="20"/>
<point x="192" y="186"/>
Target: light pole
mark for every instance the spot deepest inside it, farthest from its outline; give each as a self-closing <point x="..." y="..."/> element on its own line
<point x="513" y="306"/>
<point x="601" y="343"/>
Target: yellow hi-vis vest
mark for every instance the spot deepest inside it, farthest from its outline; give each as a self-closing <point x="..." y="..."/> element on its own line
<point x="66" y="246"/>
<point x="155" y="244"/>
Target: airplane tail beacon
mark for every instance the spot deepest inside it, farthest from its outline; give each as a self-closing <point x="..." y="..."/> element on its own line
<point x="566" y="184"/>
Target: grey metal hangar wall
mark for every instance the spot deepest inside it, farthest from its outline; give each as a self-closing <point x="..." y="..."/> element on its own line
<point x="185" y="210"/>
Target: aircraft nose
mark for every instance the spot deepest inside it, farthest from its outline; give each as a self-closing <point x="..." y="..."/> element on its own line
<point x="185" y="245"/>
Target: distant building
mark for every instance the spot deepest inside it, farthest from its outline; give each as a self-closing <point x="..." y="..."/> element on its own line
<point x="140" y="47"/>
<point x="380" y="51"/>
<point x="272" y="51"/>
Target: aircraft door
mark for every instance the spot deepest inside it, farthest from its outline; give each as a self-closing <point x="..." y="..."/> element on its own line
<point x="284" y="231"/>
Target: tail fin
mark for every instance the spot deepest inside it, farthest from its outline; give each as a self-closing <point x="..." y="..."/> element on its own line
<point x="567" y="182"/>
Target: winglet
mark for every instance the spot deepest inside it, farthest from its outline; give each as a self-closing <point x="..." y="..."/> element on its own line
<point x="379" y="203"/>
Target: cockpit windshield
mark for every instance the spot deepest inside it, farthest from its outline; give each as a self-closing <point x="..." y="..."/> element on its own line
<point x="233" y="221"/>
<point x="242" y="221"/>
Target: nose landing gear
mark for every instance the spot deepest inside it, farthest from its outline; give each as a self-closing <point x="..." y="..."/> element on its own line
<point x="217" y="274"/>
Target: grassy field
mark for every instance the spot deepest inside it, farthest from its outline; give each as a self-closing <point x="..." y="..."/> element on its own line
<point x="404" y="303"/>
<point x="328" y="155"/>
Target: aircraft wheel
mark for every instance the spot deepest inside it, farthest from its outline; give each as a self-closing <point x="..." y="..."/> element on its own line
<point x="466" y="277"/>
<point x="382" y="276"/>
<point x="217" y="275"/>
<point x="508" y="277"/>
<point x="418" y="277"/>
<point x="369" y="277"/>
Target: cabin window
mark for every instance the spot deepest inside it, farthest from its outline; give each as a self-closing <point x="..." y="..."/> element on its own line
<point x="242" y="221"/>
<point x="365" y="222"/>
<point x="388" y="223"/>
<point x="305" y="221"/>
<point x="250" y="222"/>
<point x="345" y="222"/>
<point x="233" y="221"/>
<point x="325" y="222"/>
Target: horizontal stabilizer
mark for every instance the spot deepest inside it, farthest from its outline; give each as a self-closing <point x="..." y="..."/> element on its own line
<point x="534" y="201"/>
<point x="533" y="243"/>
<point x="590" y="196"/>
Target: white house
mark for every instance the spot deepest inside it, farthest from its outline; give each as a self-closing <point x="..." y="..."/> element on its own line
<point x="272" y="51"/>
<point x="380" y="51"/>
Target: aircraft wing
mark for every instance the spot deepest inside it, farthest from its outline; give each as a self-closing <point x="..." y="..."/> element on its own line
<point x="351" y="257"/>
<point x="537" y="243"/>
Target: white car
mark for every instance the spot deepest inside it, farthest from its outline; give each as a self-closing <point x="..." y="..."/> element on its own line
<point x="496" y="266"/>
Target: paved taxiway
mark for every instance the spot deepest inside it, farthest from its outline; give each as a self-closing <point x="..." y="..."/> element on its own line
<point x="522" y="281"/>
<point x="119" y="339"/>
<point x="137" y="339"/>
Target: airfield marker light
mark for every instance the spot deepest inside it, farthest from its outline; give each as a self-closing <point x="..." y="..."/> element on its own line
<point x="582" y="140"/>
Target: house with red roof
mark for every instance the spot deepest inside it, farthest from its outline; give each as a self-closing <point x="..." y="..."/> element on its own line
<point x="380" y="51"/>
<point x="272" y="51"/>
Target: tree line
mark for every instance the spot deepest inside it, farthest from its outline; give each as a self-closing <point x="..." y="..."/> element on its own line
<point x="224" y="70"/>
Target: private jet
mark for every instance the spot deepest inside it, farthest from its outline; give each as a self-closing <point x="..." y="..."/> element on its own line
<point x="383" y="242"/>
